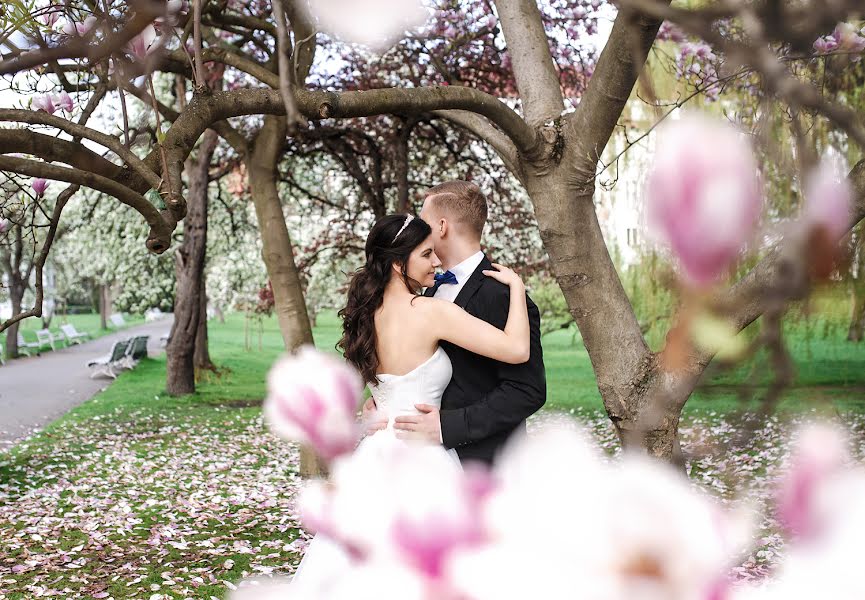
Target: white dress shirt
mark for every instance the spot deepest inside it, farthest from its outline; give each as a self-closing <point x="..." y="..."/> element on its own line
<point x="464" y="270"/>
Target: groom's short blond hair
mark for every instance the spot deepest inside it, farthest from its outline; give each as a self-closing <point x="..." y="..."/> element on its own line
<point x="460" y="202"/>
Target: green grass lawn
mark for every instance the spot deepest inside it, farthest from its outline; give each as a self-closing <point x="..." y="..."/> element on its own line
<point x="827" y="368"/>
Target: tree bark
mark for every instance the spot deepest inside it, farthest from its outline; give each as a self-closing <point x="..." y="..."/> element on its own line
<point x="857" y="296"/>
<point x="16" y="297"/>
<point x="180" y="365"/>
<point x="262" y="165"/>
<point x="104" y="302"/>
<point x="201" y="356"/>
<point x="857" y="320"/>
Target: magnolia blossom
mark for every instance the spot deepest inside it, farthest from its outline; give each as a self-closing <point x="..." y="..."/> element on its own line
<point x="849" y="38"/>
<point x="819" y="457"/>
<point x="39" y="186"/>
<point x="4" y="226"/>
<point x="73" y="28"/>
<point x="44" y="103"/>
<point x="703" y="195"/>
<point x="828" y="200"/>
<point x="374" y="23"/>
<point x="142" y="44"/>
<point x="579" y="528"/>
<point x="49" y="14"/>
<point x="822" y="501"/>
<point x="825" y="45"/>
<point x="398" y="502"/>
<point x="64" y="101"/>
<point x="313" y="398"/>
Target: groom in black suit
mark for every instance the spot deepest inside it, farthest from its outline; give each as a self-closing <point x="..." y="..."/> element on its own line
<point x="486" y="400"/>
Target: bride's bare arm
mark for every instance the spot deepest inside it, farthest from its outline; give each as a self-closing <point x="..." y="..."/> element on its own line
<point x="453" y="324"/>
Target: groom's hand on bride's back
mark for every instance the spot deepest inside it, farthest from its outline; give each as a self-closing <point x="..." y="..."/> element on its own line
<point x="372" y="420"/>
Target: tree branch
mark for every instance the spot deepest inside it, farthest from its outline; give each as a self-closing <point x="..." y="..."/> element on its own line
<point x="618" y="69"/>
<point x="483" y="129"/>
<point x="62" y="198"/>
<point x="80" y="131"/>
<point x="204" y="110"/>
<point x="86" y="46"/>
<point x="529" y="48"/>
<point x="160" y="227"/>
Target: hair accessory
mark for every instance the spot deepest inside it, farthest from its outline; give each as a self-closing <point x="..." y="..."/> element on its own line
<point x="408" y="219"/>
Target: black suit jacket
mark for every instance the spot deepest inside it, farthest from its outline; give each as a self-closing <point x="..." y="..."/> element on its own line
<point x="487" y="401"/>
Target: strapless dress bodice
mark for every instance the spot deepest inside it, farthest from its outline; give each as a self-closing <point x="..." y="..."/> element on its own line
<point x="397" y="395"/>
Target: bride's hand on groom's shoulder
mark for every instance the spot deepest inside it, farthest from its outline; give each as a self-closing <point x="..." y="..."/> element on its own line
<point x="372" y="420"/>
<point x="504" y="275"/>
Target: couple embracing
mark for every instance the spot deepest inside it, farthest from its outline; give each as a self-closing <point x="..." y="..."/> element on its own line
<point x="458" y="365"/>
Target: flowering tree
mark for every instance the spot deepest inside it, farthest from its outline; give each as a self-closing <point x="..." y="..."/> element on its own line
<point x="494" y="76"/>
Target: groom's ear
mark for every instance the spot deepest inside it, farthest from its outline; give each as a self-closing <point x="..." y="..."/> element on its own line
<point x="443" y="227"/>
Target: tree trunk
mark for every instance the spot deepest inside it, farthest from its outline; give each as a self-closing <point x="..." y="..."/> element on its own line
<point x="857" y="317"/>
<point x="16" y="297"/>
<point x="104" y="306"/>
<point x="857" y="293"/>
<point x="180" y="352"/>
<point x="202" y="351"/>
<point x="262" y="165"/>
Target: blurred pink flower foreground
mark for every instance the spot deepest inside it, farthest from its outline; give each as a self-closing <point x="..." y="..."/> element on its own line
<point x="828" y="200"/>
<point x="313" y="398"/>
<point x="374" y="23"/>
<point x="703" y="195"/>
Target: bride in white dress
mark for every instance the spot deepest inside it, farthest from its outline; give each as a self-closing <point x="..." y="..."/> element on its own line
<point x="391" y="335"/>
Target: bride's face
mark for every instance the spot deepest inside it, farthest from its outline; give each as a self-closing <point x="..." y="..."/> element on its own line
<point x="423" y="262"/>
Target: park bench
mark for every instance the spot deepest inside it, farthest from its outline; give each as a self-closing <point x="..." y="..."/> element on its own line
<point x="153" y="314"/>
<point x="72" y="335"/>
<point x="117" y="320"/>
<point x="105" y="365"/>
<point x="28" y="348"/>
<point x="45" y="339"/>
<point x="136" y="350"/>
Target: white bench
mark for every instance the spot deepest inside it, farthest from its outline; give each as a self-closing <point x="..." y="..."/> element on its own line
<point x="45" y="338"/>
<point x="72" y="335"/>
<point x="28" y="348"/>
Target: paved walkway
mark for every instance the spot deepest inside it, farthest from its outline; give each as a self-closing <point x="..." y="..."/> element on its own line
<point x="37" y="390"/>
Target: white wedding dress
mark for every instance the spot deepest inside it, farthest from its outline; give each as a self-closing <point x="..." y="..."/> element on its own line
<point x="395" y="396"/>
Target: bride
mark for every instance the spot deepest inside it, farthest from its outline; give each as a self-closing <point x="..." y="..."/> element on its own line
<point x="391" y="335"/>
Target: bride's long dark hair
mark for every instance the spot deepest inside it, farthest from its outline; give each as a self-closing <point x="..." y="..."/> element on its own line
<point x="366" y="289"/>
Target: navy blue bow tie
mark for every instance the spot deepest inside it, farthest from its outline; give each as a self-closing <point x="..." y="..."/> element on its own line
<point x="442" y="279"/>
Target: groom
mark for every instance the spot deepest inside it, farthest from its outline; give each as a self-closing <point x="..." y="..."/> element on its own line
<point x="486" y="400"/>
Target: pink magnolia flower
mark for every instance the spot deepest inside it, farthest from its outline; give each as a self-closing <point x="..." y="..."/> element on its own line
<point x="633" y="529"/>
<point x="141" y="45"/>
<point x="825" y="45"/>
<point x="313" y="398"/>
<point x="50" y="14"/>
<point x="374" y="23"/>
<point x="819" y="456"/>
<point x="823" y="502"/>
<point x="72" y="28"/>
<point x="39" y="186"/>
<point x="703" y="196"/>
<point x="848" y="38"/>
<point x="4" y="226"/>
<point x="828" y="200"/>
<point x="401" y="503"/>
<point x="64" y="101"/>
<point x="44" y="103"/>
